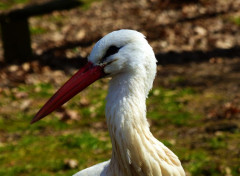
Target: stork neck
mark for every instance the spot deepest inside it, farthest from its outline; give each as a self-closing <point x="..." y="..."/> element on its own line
<point x="135" y="150"/>
<point x="126" y="102"/>
<point x="126" y="118"/>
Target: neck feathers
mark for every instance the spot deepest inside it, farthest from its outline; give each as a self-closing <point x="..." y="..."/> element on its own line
<point x="135" y="150"/>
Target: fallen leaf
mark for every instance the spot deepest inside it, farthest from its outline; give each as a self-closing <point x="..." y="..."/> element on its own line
<point x="25" y="105"/>
<point x="70" y="163"/>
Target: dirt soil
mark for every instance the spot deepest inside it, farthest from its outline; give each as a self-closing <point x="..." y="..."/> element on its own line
<point x="196" y="41"/>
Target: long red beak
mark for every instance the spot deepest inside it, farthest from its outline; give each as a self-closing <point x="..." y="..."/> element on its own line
<point x="80" y="80"/>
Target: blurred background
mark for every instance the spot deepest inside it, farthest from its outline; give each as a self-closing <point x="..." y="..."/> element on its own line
<point x="193" y="108"/>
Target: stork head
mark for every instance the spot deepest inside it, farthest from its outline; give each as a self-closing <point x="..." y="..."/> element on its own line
<point x="119" y="52"/>
<point x="123" y="51"/>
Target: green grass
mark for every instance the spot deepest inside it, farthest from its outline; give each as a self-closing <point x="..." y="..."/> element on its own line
<point x="200" y="163"/>
<point x="87" y="4"/>
<point x="42" y="148"/>
<point x="7" y="4"/>
<point x="31" y="154"/>
<point x="170" y="105"/>
<point x="3" y="6"/>
<point x="37" y="30"/>
<point x="217" y="142"/>
<point x="236" y="20"/>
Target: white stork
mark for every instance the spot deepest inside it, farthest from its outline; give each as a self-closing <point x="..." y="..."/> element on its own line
<point x="129" y="60"/>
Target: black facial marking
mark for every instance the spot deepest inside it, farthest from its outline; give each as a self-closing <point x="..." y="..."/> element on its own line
<point x="111" y="50"/>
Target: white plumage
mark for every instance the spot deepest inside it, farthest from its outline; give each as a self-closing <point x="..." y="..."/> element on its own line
<point x="126" y="56"/>
<point x="132" y="66"/>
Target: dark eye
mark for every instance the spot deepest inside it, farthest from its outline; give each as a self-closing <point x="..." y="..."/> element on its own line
<point x="111" y="50"/>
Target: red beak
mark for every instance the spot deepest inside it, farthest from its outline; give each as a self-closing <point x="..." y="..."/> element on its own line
<point x="80" y="80"/>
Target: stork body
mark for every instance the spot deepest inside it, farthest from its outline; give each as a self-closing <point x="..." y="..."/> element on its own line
<point x="126" y="56"/>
